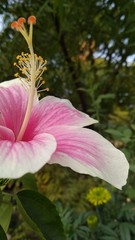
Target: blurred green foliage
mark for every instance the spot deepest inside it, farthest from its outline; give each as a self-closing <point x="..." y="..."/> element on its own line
<point x="88" y="45"/>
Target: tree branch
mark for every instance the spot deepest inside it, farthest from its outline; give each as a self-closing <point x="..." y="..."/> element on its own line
<point x="78" y="84"/>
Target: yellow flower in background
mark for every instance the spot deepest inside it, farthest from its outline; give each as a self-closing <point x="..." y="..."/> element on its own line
<point x="98" y="196"/>
<point x="92" y="221"/>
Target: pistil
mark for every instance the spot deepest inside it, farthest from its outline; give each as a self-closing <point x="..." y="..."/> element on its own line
<point x="30" y="65"/>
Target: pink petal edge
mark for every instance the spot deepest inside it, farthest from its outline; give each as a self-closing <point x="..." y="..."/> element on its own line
<point x="86" y="151"/>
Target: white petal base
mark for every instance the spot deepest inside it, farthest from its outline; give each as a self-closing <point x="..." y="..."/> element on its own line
<point x="19" y="158"/>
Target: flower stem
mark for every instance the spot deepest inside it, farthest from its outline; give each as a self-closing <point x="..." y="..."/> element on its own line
<point x="98" y="214"/>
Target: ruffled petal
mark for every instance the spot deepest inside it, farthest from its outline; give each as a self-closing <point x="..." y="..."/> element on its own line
<point x="86" y="151"/>
<point x="13" y="102"/>
<point x="19" y="158"/>
<point x="52" y="111"/>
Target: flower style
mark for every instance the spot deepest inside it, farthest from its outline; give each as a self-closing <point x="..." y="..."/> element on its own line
<point x="33" y="132"/>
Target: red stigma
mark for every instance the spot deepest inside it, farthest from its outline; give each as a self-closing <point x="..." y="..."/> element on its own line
<point x="14" y="25"/>
<point x="32" y="20"/>
<point x="21" y="20"/>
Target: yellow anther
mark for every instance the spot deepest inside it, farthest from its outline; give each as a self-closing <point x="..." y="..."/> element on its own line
<point x="16" y="74"/>
<point x="24" y="65"/>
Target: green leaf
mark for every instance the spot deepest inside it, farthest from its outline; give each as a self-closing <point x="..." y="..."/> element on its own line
<point x="114" y="132"/>
<point x="123" y="135"/>
<point x="130" y="192"/>
<point x="41" y="214"/>
<point x="124" y="232"/>
<point x="108" y="231"/>
<point x="131" y="227"/>
<point x="131" y="30"/>
<point x="5" y="215"/>
<point x="133" y="126"/>
<point x="108" y="238"/>
<point x="132" y="167"/>
<point x="103" y="97"/>
<point x="2" y="234"/>
<point x="127" y="132"/>
<point x="28" y="181"/>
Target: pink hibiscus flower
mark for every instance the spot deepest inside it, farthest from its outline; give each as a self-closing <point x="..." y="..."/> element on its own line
<point x="33" y="132"/>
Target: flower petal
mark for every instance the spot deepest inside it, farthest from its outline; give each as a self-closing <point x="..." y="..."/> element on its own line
<point x="19" y="158"/>
<point x="2" y="121"/>
<point x="11" y="83"/>
<point x="52" y="111"/>
<point x="21" y="82"/>
<point x="13" y="102"/>
<point x="86" y="151"/>
<point x="6" y="134"/>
